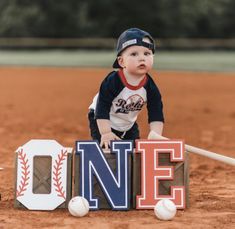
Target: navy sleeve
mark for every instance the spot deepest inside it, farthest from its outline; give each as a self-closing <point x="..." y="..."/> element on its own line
<point x="154" y="102"/>
<point x="109" y="89"/>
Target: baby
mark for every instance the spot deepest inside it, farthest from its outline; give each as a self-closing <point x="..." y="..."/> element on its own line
<point x="123" y="93"/>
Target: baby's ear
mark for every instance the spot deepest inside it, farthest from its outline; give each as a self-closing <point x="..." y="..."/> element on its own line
<point x="120" y="61"/>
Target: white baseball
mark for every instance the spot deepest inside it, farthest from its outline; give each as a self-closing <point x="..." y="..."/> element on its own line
<point x="78" y="206"/>
<point x="165" y="209"/>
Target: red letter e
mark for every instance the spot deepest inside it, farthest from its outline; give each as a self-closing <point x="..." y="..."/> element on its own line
<point x="151" y="172"/>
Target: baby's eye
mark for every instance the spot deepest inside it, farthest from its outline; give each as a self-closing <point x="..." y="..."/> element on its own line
<point x="134" y="54"/>
<point x="147" y="53"/>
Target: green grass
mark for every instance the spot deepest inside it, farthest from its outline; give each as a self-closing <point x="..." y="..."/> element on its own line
<point x="164" y="60"/>
<point x="196" y="61"/>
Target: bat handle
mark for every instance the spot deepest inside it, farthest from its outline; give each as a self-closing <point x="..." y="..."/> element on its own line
<point x="209" y="154"/>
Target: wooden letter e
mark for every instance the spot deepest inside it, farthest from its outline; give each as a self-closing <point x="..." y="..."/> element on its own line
<point x="152" y="172"/>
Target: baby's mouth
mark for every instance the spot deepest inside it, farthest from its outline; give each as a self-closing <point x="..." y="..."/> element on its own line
<point x="142" y="66"/>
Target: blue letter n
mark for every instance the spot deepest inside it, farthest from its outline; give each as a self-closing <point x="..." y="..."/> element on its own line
<point x="115" y="186"/>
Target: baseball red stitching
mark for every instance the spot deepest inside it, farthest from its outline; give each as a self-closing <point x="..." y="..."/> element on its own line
<point x="25" y="173"/>
<point x="57" y="174"/>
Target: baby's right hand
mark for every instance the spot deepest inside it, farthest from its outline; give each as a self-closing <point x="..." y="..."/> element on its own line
<point x="106" y="138"/>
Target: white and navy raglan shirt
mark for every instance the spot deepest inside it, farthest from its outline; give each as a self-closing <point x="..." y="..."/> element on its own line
<point x="121" y="102"/>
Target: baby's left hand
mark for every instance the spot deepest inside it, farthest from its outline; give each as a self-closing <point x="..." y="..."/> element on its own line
<point x="106" y="138"/>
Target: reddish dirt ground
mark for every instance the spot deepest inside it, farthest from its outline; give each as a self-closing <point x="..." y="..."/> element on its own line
<point x="52" y="103"/>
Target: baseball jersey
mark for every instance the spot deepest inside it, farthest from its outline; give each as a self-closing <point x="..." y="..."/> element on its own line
<point x="121" y="102"/>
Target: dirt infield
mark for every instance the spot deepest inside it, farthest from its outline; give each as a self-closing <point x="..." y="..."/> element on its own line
<point x="52" y="103"/>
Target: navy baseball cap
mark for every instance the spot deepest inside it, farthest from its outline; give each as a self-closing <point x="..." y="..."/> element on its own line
<point x="130" y="37"/>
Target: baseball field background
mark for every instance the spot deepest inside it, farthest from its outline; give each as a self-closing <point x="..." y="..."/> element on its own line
<point x="46" y="94"/>
<point x="53" y="57"/>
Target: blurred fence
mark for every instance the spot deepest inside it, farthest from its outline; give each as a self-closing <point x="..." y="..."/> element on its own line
<point x="47" y="43"/>
<point x="110" y="43"/>
<point x="196" y="44"/>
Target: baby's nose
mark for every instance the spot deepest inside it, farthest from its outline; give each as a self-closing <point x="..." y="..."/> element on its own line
<point x="142" y="58"/>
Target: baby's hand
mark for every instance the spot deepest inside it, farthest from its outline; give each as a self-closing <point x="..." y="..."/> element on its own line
<point x="106" y="138"/>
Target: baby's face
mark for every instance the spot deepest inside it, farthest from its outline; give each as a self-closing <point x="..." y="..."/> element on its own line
<point x="136" y="60"/>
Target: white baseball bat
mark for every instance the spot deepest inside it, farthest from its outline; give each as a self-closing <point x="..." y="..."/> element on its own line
<point x="192" y="149"/>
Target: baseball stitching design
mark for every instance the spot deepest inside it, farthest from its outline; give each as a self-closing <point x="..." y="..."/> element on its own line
<point x="25" y="173"/>
<point x="57" y="174"/>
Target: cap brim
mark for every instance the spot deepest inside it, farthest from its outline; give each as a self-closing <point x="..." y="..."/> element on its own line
<point x="116" y="64"/>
